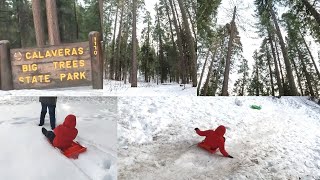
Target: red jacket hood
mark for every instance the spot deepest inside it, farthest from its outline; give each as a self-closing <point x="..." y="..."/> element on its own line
<point x="70" y="121"/>
<point x="221" y="130"/>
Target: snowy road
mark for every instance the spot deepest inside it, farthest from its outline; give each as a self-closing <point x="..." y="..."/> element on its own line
<point x="281" y="141"/>
<point x="26" y="154"/>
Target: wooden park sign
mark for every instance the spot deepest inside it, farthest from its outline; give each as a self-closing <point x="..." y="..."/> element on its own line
<point x="67" y="65"/>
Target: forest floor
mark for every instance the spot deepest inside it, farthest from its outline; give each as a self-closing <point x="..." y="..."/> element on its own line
<point x="116" y="88"/>
<point x="157" y="138"/>
<point x="26" y="154"/>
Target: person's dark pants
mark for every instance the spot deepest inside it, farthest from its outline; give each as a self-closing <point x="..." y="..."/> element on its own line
<point x="52" y="114"/>
<point x="49" y="134"/>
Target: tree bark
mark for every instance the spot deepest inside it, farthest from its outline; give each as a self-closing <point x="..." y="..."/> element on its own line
<point x="134" y="45"/>
<point x="117" y="58"/>
<point x="313" y="61"/>
<point x="269" y="64"/>
<point x="179" y="41"/>
<point x="298" y="76"/>
<point x="191" y="45"/>
<point x="204" y="67"/>
<point x="292" y="85"/>
<point x="281" y="92"/>
<point x="304" y="68"/>
<point x="112" y="60"/>
<point x="206" y="84"/>
<point x="38" y="23"/>
<point x="229" y="54"/>
<point x="279" y="61"/>
<point x="76" y="18"/>
<point x="53" y="26"/>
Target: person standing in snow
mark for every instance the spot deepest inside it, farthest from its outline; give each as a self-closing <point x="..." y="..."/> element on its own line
<point x="214" y="139"/>
<point x="50" y="103"/>
<point x="64" y="134"/>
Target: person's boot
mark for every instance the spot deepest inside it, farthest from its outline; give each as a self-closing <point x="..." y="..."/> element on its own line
<point x="42" y="116"/>
<point x="44" y="131"/>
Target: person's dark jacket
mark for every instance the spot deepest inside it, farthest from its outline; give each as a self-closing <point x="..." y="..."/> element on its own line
<point x="48" y="100"/>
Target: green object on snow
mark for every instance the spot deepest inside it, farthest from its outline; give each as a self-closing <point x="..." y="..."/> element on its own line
<point x="255" y="107"/>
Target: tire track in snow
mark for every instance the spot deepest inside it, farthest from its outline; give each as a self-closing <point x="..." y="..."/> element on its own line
<point x="95" y="163"/>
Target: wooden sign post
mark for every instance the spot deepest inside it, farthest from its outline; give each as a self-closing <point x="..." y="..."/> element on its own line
<point x="5" y="66"/>
<point x="66" y="65"/>
<point x="96" y="59"/>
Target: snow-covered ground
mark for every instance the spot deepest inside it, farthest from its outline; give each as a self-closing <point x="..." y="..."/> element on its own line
<point x="26" y="154"/>
<point x="157" y="139"/>
<point x="112" y="88"/>
<point x="118" y="88"/>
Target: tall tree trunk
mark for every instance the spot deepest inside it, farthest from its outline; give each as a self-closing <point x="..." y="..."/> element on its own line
<point x="112" y="60"/>
<point x="271" y="38"/>
<point x="192" y="25"/>
<point x="269" y="64"/>
<point x="191" y="45"/>
<point x="206" y="84"/>
<point x="312" y="10"/>
<point x="117" y="58"/>
<point x="279" y="61"/>
<point x="179" y="41"/>
<point x="125" y="64"/>
<point x="101" y="17"/>
<point x="161" y="55"/>
<point x="292" y="85"/>
<point x="243" y="84"/>
<point x="257" y="75"/>
<point x="217" y="76"/>
<point x="76" y="18"/>
<point x="202" y="72"/>
<point x="172" y="39"/>
<point x="53" y="26"/>
<point x="310" y="54"/>
<point x="304" y="68"/>
<point x="21" y="23"/>
<point x="134" y="68"/>
<point x="38" y="23"/>
<point x="298" y="76"/>
<point x="229" y="54"/>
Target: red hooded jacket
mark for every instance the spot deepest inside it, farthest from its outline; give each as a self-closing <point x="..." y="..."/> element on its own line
<point x="65" y="133"/>
<point x="214" y="139"/>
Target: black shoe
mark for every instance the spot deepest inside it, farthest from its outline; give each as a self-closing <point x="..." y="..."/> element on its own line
<point x="44" y="131"/>
<point x="40" y="124"/>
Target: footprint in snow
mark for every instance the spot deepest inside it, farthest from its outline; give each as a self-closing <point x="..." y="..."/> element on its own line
<point x="106" y="164"/>
<point x="309" y="164"/>
<point x="20" y="120"/>
<point x="107" y="177"/>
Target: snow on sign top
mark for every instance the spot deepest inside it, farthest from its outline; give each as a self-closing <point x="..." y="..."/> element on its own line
<point x="65" y="65"/>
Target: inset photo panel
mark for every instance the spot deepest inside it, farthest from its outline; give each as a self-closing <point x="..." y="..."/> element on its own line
<point x="51" y="47"/>
<point x="58" y="138"/>
<point x="258" y="48"/>
<point x="150" y="47"/>
<point x="218" y="138"/>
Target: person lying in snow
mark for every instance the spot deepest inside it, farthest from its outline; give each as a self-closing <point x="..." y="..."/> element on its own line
<point x="214" y="139"/>
<point x="64" y="134"/>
